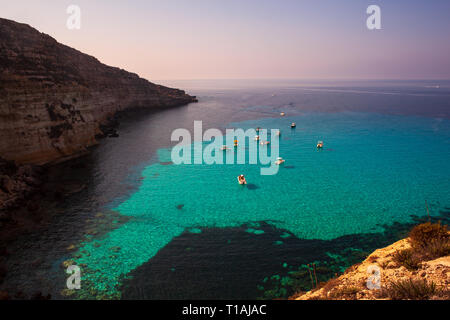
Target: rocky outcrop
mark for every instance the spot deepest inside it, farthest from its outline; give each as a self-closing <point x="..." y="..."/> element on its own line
<point x="353" y="284"/>
<point x="17" y="184"/>
<point x="15" y="180"/>
<point x="55" y="99"/>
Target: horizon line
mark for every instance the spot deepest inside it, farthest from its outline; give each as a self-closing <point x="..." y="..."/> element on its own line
<point x="305" y="79"/>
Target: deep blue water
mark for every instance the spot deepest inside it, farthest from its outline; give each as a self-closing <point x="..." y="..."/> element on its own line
<point x="190" y="231"/>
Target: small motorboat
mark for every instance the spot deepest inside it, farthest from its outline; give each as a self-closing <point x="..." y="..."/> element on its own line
<point x="279" y="161"/>
<point x="293" y="125"/>
<point x="319" y="144"/>
<point x="257" y="138"/>
<point x="235" y="143"/>
<point x="241" y="179"/>
<point x="278" y="133"/>
<point x="257" y="129"/>
<point x="282" y="114"/>
<point x="264" y="142"/>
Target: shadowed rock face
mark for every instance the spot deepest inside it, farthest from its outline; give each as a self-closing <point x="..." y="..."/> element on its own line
<point x="54" y="99"/>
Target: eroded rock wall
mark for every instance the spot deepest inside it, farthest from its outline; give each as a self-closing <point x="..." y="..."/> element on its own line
<point x="53" y="98"/>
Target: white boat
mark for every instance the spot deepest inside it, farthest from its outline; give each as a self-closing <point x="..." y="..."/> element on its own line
<point x="241" y="179"/>
<point x="279" y="161"/>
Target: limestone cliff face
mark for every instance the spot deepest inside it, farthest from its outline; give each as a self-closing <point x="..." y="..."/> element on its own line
<point x="53" y="98"/>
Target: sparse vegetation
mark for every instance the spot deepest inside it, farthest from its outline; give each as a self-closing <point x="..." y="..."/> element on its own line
<point x="428" y="241"/>
<point x="422" y="234"/>
<point x="412" y="290"/>
<point x="408" y="259"/>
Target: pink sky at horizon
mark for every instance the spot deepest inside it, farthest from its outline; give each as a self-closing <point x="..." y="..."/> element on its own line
<point x="161" y="40"/>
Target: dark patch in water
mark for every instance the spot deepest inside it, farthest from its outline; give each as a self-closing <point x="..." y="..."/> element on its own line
<point x="156" y="175"/>
<point x="445" y="213"/>
<point x="180" y="206"/>
<point x="329" y="149"/>
<point x="252" y="186"/>
<point x="166" y="163"/>
<point x="289" y="167"/>
<point x="207" y="265"/>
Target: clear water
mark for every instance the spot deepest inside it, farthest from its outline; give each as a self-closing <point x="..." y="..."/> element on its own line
<point x="374" y="169"/>
<point x="378" y="167"/>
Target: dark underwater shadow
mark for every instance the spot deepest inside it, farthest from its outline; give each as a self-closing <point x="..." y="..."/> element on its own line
<point x="251" y="186"/>
<point x="232" y="263"/>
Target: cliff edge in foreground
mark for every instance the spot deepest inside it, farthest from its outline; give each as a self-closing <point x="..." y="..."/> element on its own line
<point x="417" y="267"/>
<point x="54" y="99"/>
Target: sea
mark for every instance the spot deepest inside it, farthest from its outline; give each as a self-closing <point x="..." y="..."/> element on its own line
<point x="145" y="227"/>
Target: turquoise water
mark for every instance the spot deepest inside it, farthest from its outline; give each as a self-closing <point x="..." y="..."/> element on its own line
<point x="374" y="169"/>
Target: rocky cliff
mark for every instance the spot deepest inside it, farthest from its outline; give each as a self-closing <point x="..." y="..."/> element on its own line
<point x="55" y="99"/>
<point x="382" y="276"/>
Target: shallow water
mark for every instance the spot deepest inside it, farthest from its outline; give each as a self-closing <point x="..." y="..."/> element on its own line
<point x="386" y="152"/>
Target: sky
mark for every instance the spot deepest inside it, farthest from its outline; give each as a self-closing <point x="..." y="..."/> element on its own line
<point x="252" y="39"/>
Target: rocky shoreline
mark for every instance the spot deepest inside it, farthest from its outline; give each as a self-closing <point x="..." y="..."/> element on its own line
<point x="18" y="184"/>
<point x="26" y="188"/>
<point x="56" y="103"/>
